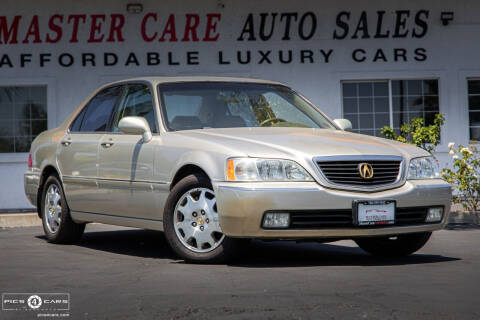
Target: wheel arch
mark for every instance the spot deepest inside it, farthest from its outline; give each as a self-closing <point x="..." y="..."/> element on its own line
<point x="185" y="170"/>
<point x="47" y="171"/>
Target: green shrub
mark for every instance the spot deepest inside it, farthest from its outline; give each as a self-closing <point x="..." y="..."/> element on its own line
<point x="417" y="133"/>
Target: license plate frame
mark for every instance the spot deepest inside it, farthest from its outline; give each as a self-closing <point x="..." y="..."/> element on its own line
<point x="359" y="208"/>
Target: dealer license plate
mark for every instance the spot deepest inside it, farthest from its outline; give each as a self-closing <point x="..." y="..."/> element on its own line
<point x="378" y="212"/>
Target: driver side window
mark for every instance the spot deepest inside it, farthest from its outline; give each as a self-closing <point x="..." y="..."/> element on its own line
<point x="136" y="102"/>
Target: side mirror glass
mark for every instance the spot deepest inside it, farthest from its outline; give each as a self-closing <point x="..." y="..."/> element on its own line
<point x="136" y="125"/>
<point x="344" y="124"/>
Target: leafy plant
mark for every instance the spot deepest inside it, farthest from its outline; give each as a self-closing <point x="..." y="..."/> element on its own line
<point x="464" y="177"/>
<point x="417" y="133"/>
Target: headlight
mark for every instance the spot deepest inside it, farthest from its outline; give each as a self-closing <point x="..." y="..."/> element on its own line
<point x="423" y="168"/>
<point x="255" y="169"/>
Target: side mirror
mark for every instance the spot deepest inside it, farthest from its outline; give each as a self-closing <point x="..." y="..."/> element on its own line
<point x="136" y="125"/>
<point x="344" y="124"/>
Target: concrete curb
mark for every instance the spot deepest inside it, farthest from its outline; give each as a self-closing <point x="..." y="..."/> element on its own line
<point x="14" y="220"/>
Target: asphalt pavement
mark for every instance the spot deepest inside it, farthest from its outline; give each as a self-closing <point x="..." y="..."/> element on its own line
<point x="122" y="273"/>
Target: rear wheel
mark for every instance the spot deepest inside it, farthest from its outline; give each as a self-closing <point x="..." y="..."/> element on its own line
<point x="397" y="246"/>
<point x="191" y="222"/>
<point x="57" y="222"/>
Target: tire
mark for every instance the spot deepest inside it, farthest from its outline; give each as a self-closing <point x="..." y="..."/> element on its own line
<point x="401" y="245"/>
<point x="57" y="222"/>
<point x="184" y="243"/>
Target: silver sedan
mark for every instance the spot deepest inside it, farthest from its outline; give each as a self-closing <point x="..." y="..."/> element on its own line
<point x="214" y="161"/>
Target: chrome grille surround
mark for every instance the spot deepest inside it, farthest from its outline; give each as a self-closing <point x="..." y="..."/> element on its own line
<point x="351" y="180"/>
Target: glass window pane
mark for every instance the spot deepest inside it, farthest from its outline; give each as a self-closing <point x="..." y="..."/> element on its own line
<point x="474" y="86"/>
<point x="38" y="110"/>
<point x="415" y="103"/>
<point x="365" y="105"/>
<point x="429" y="118"/>
<point x="353" y="119"/>
<point x="399" y="104"/>
<point x="414" y="87"/>
<point x="22" y="127"/>
<point x="22" y="144"/>
<point x="430" y="87"/>
<point x="7" y="144"/>
<point x="474" y="134"/>
<point x="399" y="87"/>
<point x="381" y="105"/>
<point x="474" y="102"/>
<point x="475" y="119"/>
<point x="349" y="89"/>
<point x="6" y="128"/>
<point x="413" y="115"/>
<point x="22" y="110"/>
<point x="366" y="121"/>
<point x="382" y="120"/>
<point x="6" y="111"/>
<point x="380" y="89"/>
<point x="38" y="126"/>
<point x="431" y="103"/>
<point x="100" y="109"/>
<point x="365" y="89"/>
<point x="350" y="105"/>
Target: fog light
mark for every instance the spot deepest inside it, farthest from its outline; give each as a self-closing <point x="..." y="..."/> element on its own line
<point x="276" y="220"/>
<point x="434" y="215"/>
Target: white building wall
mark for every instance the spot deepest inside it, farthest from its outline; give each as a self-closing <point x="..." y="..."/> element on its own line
<point x="451" y="55"/>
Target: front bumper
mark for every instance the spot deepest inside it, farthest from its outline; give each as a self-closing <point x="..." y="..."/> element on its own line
<point x="242" y="205"/>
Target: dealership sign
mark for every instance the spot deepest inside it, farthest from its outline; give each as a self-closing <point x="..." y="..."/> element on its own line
<point x="187" y="39"/>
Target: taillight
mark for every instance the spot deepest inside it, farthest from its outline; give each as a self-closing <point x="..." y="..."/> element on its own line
<point x="30" y="163"/>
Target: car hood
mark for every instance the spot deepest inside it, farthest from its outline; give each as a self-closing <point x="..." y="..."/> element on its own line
<point x="304" y="142"/>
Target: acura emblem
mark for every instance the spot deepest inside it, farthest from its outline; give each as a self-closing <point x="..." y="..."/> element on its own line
<point x="365" y="170"/>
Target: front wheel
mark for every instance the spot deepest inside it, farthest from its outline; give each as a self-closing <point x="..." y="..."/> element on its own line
<point x="191" y="222"/>
<point x="397" y="246"/>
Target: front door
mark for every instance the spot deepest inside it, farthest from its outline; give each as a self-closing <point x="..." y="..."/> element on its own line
<point x="77" y="152"/>
<point x="126" y="162"/>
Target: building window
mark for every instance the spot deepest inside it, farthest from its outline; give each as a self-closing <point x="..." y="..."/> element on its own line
<point x="371" y="105"/>
<point x="23" y="113"/>
<point x="474" y="108"/>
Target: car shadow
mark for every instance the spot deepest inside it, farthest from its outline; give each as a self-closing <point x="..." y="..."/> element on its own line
<point x="255" y="254"/>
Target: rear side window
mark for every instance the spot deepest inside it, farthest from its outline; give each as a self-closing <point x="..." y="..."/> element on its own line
<point x="99" y="110"/>
<point x="137" y="102"/>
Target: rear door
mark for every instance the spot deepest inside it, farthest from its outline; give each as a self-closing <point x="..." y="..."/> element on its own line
<point x="77" y="153"/>
<point x="126" y="163"/>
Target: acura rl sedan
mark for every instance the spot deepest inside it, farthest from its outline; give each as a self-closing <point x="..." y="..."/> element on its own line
<point x="214" y="161"/>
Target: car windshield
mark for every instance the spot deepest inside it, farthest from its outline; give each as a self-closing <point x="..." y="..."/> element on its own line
<point x="198" y="105"/>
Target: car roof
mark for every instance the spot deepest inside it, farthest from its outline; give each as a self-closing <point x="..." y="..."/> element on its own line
<point x="159" y="80"/>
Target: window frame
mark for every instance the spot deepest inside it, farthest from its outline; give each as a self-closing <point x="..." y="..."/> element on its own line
<point x="389" y="81"/>
<point x="468" y="79"/>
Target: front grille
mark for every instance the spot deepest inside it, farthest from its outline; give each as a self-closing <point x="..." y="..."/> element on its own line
<point x="347" y="172"/>
<point x="327" y="219"/>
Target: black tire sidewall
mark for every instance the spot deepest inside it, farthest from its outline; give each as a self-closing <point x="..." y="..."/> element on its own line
<point x="217" y="255"/>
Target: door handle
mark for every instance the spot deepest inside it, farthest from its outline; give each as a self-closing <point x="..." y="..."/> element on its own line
<point x="66" y="143"/>
<point x="107" y="144"/>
